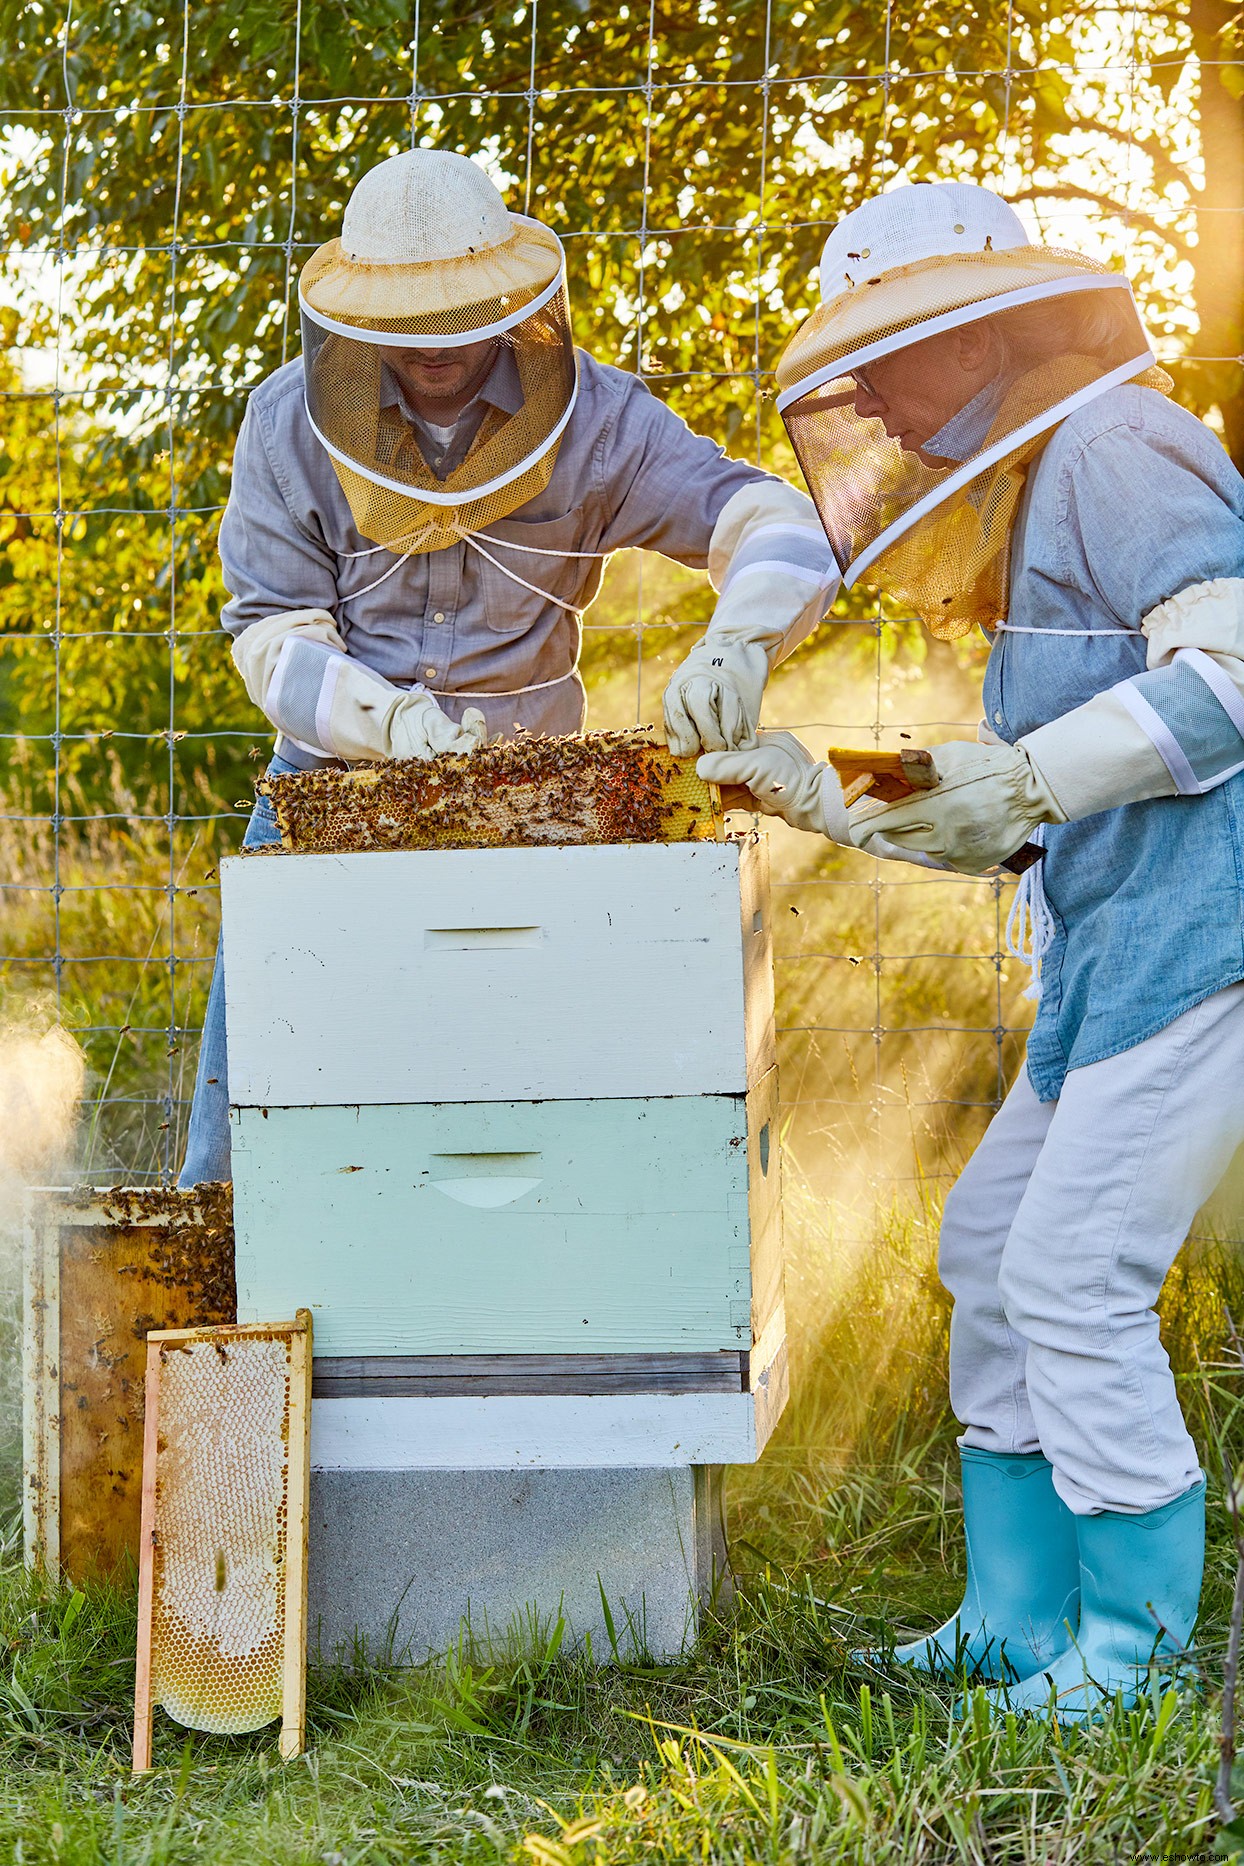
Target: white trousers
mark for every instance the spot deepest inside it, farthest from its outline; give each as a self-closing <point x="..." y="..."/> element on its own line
<point x="1054" y="1244"/>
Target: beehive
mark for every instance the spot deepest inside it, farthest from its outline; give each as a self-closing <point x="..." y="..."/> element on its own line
<point x="102" y="1267"/>
<point x="505" y="1119"/>
<point x="543" y="1124"/>
<point x="598" y="787"/>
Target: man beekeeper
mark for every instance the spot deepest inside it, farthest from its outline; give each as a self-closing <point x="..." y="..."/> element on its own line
<point x="422" y="504"/>
<point x="1015" y="463"/>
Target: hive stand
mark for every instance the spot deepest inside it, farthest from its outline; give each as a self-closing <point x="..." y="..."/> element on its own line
<point x="505" y="1120"/>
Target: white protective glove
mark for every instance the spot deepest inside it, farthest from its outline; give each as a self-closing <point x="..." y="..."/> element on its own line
<point x="990" y="798"/>
<point x="297" y="671"/>
<point x="770" y="559"/>
<point x="786" y="781"/>
<point x="1116" y="749"/>
<point x="987" y="803"/>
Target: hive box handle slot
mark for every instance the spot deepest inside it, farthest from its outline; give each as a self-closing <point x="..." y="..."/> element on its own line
<point x="486" y="1180"/>
<point x="480" y="939"/>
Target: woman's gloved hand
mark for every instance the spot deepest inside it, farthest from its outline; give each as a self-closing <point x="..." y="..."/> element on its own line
<point x="985" y="806"/>
<point x="786" y="781"/>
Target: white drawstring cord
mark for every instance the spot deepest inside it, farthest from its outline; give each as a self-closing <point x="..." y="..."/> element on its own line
<point x="534" y="588"/>
<point x="369" y="587"/>
<point x="512" y="544"/>
<point x="537" y="550"/>
<point x="1030" y="925"/>
<point x="1020" y="628"/>
<point x="510" y="693"/>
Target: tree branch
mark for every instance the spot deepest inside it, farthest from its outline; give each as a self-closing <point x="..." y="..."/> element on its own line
<point x="1062" y="191"/>
<point x="1163" y="163"/>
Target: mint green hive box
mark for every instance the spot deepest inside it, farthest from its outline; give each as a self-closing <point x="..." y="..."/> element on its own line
<point x="505" y="1120"/>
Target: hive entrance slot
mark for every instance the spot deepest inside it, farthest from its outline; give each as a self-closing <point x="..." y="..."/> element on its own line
<point x="477" y="939"/>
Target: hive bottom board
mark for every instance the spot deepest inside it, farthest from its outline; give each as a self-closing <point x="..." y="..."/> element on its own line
<point x="400" y="1559"/>
<point x="497" y="1431"/>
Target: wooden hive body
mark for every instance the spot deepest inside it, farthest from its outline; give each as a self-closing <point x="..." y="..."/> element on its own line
<point x="102" y="1267"/>
<point x="504" y="1103"/>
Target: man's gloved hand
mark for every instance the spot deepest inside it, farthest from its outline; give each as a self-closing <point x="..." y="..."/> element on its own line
<point x="297" y="669"/>
<point x="417" y="728"/>
<point x="786" y="781"/>
<point x="713" y="699"/>
<point x="985" y="806"/>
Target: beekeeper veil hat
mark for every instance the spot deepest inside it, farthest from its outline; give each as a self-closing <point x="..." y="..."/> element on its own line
<point x="431" y="259"/>
<point x="931" y="527"/>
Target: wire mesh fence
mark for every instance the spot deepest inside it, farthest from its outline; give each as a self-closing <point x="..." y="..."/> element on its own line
<point x="167" y="171"/>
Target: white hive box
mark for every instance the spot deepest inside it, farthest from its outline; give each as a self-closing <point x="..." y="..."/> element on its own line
<point x="498" y="974"/>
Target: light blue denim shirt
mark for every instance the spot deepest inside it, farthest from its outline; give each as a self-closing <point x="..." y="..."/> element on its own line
<point x="629" y="472"/>
<point x="1131" y="501"/>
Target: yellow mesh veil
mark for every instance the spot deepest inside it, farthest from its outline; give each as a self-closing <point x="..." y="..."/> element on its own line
<point x="357" y="320"/>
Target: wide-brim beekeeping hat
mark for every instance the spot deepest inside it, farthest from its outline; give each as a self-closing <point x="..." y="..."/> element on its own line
<point x="430" y="258"/>
<point x="932" y="527"/>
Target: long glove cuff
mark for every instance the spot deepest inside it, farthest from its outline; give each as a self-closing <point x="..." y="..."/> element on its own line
<point x="1094" y="758"/>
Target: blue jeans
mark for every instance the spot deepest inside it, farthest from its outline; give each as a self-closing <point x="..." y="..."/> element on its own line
<point x="207" y="1144"/>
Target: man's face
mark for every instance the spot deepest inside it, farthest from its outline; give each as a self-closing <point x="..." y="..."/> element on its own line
<point x="442" y="375"/>
<point x="915" y="392"/>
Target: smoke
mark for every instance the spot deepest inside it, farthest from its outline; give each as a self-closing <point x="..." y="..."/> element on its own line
<point x="42" y="1071"/>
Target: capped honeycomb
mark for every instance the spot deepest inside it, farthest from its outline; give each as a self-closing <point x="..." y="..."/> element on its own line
<point x="225" y="1523"/>
<point x="597" y="787"/>
<point x="103" y="1267"/>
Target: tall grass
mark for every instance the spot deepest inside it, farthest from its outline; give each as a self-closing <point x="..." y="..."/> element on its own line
<point x="113" y="920"/>
<point x="769" y="1743"/>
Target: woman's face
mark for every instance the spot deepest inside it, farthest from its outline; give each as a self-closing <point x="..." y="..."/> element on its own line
<point x="914" y="392"/>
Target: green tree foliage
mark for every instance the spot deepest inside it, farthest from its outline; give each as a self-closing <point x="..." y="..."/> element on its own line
<point x="182" y="164"/>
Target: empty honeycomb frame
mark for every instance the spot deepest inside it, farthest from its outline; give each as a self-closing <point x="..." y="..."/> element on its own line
<point x="222" y="1573"/>
<point x="103" y="1266"/>
<point x="595" y="787"/>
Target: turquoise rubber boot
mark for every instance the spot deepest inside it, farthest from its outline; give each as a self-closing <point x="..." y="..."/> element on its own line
<point x="1022" y="1598"/>
<point x="1140" y="1586"/>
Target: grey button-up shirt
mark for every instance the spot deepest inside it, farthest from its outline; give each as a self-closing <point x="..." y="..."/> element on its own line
<point x="629" y="472"/>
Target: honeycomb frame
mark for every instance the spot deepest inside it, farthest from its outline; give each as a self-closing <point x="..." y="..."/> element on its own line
<point x="530" y="792"/>
<point x="222" y="1577"/>
<point x="102" y="1267"/>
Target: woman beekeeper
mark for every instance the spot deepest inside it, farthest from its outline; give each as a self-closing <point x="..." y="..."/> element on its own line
<point x="987" y="439"/>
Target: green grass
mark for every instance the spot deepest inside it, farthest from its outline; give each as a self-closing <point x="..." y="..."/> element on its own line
<point x="768" y="1743"/>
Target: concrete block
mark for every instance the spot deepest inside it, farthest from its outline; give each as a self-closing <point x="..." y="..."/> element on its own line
<point x="399" y="1560"/>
